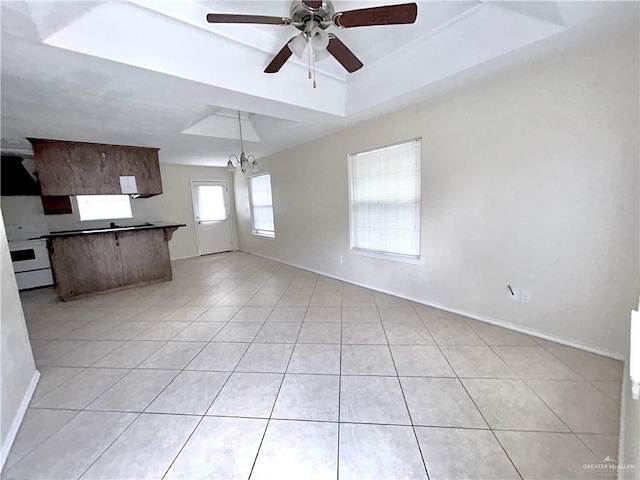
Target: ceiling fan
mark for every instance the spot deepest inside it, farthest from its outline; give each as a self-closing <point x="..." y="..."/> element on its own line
<point x="313" y="18"/>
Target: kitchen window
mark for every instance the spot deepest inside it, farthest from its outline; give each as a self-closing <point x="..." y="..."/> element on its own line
<point x="104" y="207"/>
<point x="261" y="205"/>
<point x="385" y="201"/>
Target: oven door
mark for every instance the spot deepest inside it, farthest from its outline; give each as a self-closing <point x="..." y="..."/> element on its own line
<point x="29" y="255"/>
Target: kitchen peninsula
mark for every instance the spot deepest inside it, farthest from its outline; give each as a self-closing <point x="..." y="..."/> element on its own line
<point x="86" y="262"/>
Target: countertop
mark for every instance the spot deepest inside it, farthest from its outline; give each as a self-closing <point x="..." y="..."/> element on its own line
<point x="146" y="226"/>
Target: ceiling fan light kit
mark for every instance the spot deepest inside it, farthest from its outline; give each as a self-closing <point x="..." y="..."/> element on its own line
<point x="319" y="39"/>
<point x="313" y="18"/>
<point x="297" y="45"/>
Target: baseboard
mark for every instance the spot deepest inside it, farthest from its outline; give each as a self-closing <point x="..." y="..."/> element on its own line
<point x="474" y="316"/>
<point x="198" y="255"/>
<point x="528" y="331"/>
<point x="17" y="420"/>
<point x="183" y="258"/>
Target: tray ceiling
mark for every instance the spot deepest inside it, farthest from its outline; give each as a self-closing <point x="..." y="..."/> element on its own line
<point x="154" y="73"/>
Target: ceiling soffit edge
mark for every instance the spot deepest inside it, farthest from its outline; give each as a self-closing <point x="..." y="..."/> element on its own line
<point x="169" y="10"/>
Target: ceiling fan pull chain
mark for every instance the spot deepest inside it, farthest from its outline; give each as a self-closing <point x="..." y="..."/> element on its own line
<point x="314" y="69"/>
<point x="309" y="56"/>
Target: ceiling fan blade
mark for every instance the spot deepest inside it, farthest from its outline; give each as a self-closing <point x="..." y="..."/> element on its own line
<point x="279" y="60"/>
<point x="233" y="18"/>
<point x="312" y="4"/>
<point x="341" y="53"/>
<point x="387" y="15"/>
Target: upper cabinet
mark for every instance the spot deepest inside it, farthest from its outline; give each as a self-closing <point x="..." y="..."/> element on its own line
<point x="78" y="168"/>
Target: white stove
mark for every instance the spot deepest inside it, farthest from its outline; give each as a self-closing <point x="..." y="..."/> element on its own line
<point x="30" y="258"/>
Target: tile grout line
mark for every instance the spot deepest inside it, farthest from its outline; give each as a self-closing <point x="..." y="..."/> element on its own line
<point x="212" y="401"/>
<point x="216" y="396"/>
<point x="524" y="381"/>
<point x="275" y="401"/>
<point x="526" y="384"/>
<point x="204" y="415"/>
<point x="253" y="341"/>
<point x="480" y="412"/>
<point x="141" y="413"/>
<point x="83" y="370"/>
<point x="406" y="404"/>
<point x="319" y="421"/>
<point x="551" y="409"/>
<point x="6" y="468"/>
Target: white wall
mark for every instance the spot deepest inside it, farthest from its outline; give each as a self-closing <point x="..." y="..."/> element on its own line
<point x="174" y="205"/>
<point x="18" y="375"/>
<point x="530" y="179"/>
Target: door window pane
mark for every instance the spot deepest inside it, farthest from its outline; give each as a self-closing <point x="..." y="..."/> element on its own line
<point x="211" y="207"/>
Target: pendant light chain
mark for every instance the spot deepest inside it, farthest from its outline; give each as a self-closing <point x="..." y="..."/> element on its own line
<point x="241" y="142"/>
<point x="245" y="162"/>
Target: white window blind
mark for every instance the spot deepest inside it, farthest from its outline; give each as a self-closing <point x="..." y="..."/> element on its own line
<point x="103" y="207"/>
<point x="262" y="205"/>
<point x="385" y="200"/>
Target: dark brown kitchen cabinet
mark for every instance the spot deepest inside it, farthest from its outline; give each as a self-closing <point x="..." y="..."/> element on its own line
<point x="56" y="205"/>
<point x="78" y="168"/>
<point x="141" y="163"/>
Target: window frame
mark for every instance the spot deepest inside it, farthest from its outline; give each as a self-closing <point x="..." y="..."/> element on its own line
<point x="78" y="201"/>
<point x="394" y="257"/>
<point x="254" y="231"/>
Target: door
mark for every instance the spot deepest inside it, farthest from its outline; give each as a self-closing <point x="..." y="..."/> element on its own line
<point x="213" y="219"/>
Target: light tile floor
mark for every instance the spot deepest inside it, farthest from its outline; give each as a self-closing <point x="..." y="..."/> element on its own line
<point x="242" y="367"/>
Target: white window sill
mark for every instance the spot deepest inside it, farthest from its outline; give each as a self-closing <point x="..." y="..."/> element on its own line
<point x="387" y="256"/>
<point x="264" y="235"/>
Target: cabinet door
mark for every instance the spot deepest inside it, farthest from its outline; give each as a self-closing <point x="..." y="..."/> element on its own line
<point x="144" y="256"/>
<point x="56" y="205"/>
<point x="143" y="164"/>
<point x="85" y="264"/>
<point x="97" y="169"/>
<point x="68" y="168"/>
<point x="56" y="172"/>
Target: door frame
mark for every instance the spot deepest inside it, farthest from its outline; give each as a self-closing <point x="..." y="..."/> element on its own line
<point x="230" y="215"/>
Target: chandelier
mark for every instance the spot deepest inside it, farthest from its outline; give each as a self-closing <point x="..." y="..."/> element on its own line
<point x="246" y="163"/>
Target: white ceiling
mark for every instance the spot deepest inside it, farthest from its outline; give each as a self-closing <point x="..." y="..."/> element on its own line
<point x="155" y="73"/>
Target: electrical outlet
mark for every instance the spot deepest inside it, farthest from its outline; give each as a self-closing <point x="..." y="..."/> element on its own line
<point x="525" y="296"/>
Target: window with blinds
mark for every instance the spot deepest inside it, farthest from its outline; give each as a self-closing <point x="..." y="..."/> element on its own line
<point x="103" y="207"/>
<point x="385" y="201"/>
<point x="262" y="205"/>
